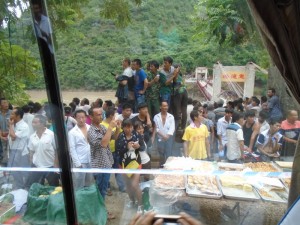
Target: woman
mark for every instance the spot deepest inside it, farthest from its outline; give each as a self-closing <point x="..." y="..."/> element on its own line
<point x="127" y="146"/>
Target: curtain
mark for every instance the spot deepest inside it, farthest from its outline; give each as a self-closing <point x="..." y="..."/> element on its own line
<point x="278" y="22"/>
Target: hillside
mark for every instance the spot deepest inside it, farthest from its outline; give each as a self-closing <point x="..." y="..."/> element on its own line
<point x="93" y="47"/>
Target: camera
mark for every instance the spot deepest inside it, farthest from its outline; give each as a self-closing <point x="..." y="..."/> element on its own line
<point x="168" y="219"/>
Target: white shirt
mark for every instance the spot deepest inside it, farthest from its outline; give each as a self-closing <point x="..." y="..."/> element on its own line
<point x="79" y="147"/>
<point x="22" y="133"/>
<point x="27" y="117"/>
<point x="189" y="109"/>
<point x="128" y="72"/>
<point x="168" y="127"/>
<point x="265" y="126"/>
<point x="221" y="129"/>
<point x="233" y="145"/>
<point x="43" y="149"/>
<point x="121" y="118"/>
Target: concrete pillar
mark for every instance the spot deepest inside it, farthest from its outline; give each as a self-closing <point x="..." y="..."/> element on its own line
<point x="216" y="81"/>
<point x="249" y="81"/>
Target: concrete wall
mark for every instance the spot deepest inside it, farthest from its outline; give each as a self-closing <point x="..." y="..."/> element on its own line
<point x="276" y="81"/>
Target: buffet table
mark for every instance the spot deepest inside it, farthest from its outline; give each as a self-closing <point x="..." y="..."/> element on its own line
<point x="214" y="191"/>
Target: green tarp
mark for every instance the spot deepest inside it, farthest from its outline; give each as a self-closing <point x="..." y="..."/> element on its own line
<point x="89" y="203"/>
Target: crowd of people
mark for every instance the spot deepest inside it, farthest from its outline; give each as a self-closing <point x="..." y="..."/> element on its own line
<point x="153" y="109"/>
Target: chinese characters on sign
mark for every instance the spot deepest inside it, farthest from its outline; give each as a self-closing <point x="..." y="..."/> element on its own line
<point x="233" y="76"/>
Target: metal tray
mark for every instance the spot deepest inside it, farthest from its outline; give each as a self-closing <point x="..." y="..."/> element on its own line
<point x="162" y="186"/>
<point x="284" y="184"/>
<point x="239" y="194"/>
<point x="199" y="193"/>
<point x="277" y="196"/>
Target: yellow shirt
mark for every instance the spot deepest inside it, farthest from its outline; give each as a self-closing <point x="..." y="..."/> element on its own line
<point x="196" y="138"/>
<point x="112" y="143"/>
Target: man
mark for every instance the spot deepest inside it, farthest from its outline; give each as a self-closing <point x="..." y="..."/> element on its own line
<point x="250" y="130"/>
<point x="222" y="125"/>
<point x="269" y="142"/>
<point x="126" y="112"/>
<point x="220" y="110"/>
<point x="17" y="139"/>
<point x="274" y="107"/>
<point x="42" y="24"/>
<point x="4" y="118"/>
<point x="125" y="88"/>
<point x="179" y="99"/>
<point x="290" y="129"/>
<point x="101" y="156"/>
<point x="28" y="117"/>
<point x="167" y="75"/>
<point x="196" y="142"/>
<point x="262" y="120"/>
<point x="235" y="138"/>
<point x="80" y="149"/>
<point x="153" y="87"/>
<point x="42" y="149"/>
<point x="110" y="115"/>
<point x="164" y="127"/>
<point x="144" y="118"/>
<point x="140" y="82"/>
<point x="255" y="105"/>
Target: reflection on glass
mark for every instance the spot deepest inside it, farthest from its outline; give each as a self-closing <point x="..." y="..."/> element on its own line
<point x="42" y="25"/>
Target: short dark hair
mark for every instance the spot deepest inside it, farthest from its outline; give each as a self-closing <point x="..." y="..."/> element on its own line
<point x="263" y="114"/>
<point x="108" y="103"/>
<point x="42" y="119"/>
<point x="100" y="102"/>
<point x="190" y="101"/>
<point x="236" y="116"/>
<point x="163" y="101"/>
<point x="272" y="121"/>
<point x="137" y="124"/>
<point x="76" y="100"/>
<point x="19" y="112"/>
<point x="154" y="63"/>
<point x="142" y="105"/>
<point x="168" y="59"/>
<point x="110" y="112"/>
<point x="85" y="101"/>
<point x="26" y="108"/>
<point x="138" y="62"/>
<point x="263" y="99"/>
<point x="126" y="106"/>
<point x="91" y="111"/>
<point x="79" y="111"/>
<point x="193" y="114"/>
<point x="256" y="100"/>
<point x="229" y="111"/>
<point x="250" y="113"/>
<point x="68" y="109"/>
<point x="272" y="89"/>
<point x="127" y="122"/>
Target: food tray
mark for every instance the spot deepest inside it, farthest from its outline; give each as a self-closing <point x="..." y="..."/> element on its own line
<point x="230" y="166"/>
<point x="286" y="184"/>
<point x="263" y="167"/>
<point x="165" y="181"/>
<point x="287" y="165"/>
<point x="279" y="196"/>
<point x="196" y="192"/>
<point x="239" y="194"/>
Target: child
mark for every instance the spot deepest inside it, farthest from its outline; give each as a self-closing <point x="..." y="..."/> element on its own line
<point x="146" y="163"/>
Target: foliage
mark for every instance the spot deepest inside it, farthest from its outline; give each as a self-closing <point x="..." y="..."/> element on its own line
<point x="17" y="64"/>
<point x="94" y="36"/>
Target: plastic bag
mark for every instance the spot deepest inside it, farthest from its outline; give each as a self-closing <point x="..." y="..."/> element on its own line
<point x="89" y="203"/>
<point x="36" y="212"/>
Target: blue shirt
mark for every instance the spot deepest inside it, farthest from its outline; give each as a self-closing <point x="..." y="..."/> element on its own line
<point x="139" y="78"/>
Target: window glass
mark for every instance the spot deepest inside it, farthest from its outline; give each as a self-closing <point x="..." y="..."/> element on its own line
<point x="161" y="106"/>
